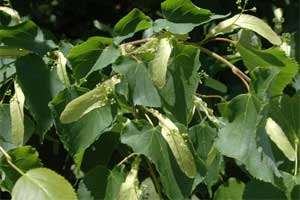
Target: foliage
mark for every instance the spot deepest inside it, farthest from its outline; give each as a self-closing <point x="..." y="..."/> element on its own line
<point x="151" y="109"/>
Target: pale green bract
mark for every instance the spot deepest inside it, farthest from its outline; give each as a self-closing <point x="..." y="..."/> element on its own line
<point x="129" y="189"/>
<point x="277" y="135"/>
<point x="17" y="115"/>
<point x="248" y="22"/>
<point x="87" y="102"/>
<point x="177" y="144"/>
<point x="43" y="184"/>
<point x="159" y="65"/>
<point x="61" y="64"/>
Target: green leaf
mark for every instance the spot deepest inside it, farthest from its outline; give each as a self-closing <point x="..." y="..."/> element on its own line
<point x="273" y="59"/>
<point x="43" y="184"/>
<point x="84" y="56"/>
<point x="148" y="141"/>
<point x="103" y="183"/>
<point x="26" y="36"/>
<point x="182" y="82"/>
<point x="89" y="101"/>
<point x="141" y="87"/>
<point x="261" y="190"/>
<point x="17" y="115"/>
<point x="176" y="28"/>
<point x="25" y="158"/>
<point x="232" y="190"/>
<point x="79" y="135"/>
<point x="240" y="133"/>
<point x="177" y="144"/>
<point x="158" y="66"/>
<point x="108" y="56"/>
<point x="12" y="13"/>
<point x="129" y="189"/>
<point x="133" y="22"/>
<point x="247" y="22"/>
<point x="279" y="138"/>
<point x="40" y="85"/>
<point x="184" y="11"/>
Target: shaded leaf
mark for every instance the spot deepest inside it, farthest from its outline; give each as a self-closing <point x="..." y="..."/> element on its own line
<point x="133" y="22"/>
<point x="84" y="56"/>
<point x="141" y="87"/>
<point x="40" y="85"/>
<point x="43" y="184"/>
<point x="182" y="82"/>
<point x="148" y="141"/>
<point x="61" y="64"/>
<point x="26" y="36"/>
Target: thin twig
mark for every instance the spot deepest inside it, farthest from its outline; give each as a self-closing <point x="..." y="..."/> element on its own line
<point x="233" y="68"/>
<point x="136" y="42"/>
<point x="126" y="158"/>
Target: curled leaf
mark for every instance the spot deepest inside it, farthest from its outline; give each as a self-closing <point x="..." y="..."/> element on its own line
<point x="17" y="115"/>
<point x="158" y="66"/>
<point x="177" y="144"/>
<point x="87" y="102"/>
<point x="13" y="13"/>
<point x="248" y="22"/>
<point x="277" y="135"/>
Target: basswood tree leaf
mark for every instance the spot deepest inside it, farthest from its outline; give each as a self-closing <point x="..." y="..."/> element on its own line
<point x="260" y="190"/>
<point x="17" y="115"/>
<point x="147" y="140"/>
<point x="271" y="59"/>
<point x="43" y="184"/>
<point x="26" y="35"/>
<point x="129" y="189"/>
<point x="89" y="101"/>
<point x="182" y="82"/>
<point x="247" y="22"/>
<point x="84" y="56"/>
<point x="25" y="158"/>
<point x="158" y="66"/>
<point x="177" y="144"/>
<point x="184" y="11"/>
<point x="142" y="89"/>
<point x="133" y="22"/>
<point x="5" y="127"/>
<point x="279" y="138"/>
<point x="240" y="133"/>
<point x="103" y="183"/>
<point x="232" y="190"/>
<point x="39" y="85"/>
<point x="148" y="190"/>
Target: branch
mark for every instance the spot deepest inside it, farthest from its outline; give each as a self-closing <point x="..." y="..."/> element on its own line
<point x="233" y="68"/>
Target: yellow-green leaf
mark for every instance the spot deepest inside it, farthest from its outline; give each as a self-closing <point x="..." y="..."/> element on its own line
<point x="43" y="184"/>
<point x="17" y="115"/>
<point x="159" y="65"/>
<point x="177" y="144"/>
<point x="277" y="135"/>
